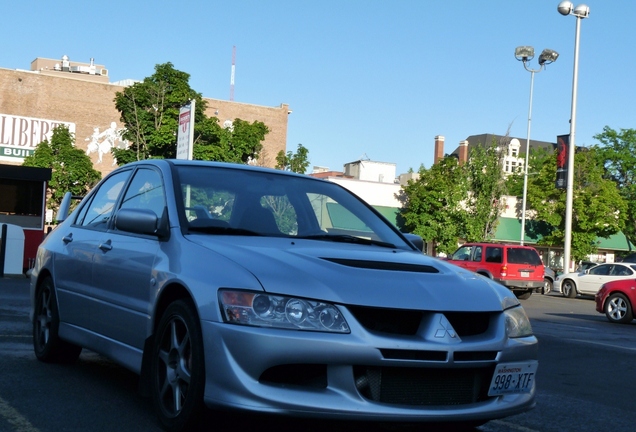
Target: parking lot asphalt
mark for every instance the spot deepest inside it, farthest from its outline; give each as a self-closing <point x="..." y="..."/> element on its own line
<point x="14" y="283"/>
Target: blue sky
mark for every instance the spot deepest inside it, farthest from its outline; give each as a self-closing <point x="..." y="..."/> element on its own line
<point x="364" y="79"/>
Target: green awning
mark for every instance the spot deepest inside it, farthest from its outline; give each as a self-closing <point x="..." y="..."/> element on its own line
<point x="509" y="229"/>
<point x="390" y="213"/>
<point x="341" y="218"/>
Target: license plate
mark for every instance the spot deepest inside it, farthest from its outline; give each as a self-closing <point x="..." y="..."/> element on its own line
<point x="510" y="378"/>
<point x="524" y="274"/>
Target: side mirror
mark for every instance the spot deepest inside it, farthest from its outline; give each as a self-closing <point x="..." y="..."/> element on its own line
<point x="65" y="206"/>
<point x="416" y="240"/>
<point x="142" y="221"/>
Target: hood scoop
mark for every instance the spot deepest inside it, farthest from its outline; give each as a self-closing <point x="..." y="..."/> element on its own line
<point x="383" y="265"/>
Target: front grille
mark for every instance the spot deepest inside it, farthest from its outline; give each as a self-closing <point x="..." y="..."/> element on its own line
<point x="396" y="354"/>
<point x="469" y="323"/>
<point x="392" y="321"/>
<point x="438" y="356"/>
<point x="407" y="322"/>
<point x="423" y="386"/>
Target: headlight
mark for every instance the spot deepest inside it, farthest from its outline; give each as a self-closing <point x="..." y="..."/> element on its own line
<point x="267" y="310"/>
<point x="517" y="323"/>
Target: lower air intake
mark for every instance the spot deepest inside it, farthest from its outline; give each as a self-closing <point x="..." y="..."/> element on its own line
<point x="423" y="386"/>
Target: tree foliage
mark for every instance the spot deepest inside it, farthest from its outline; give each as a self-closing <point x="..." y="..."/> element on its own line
<point x="431" y="205"/>
<point x="295" y="162"/>
<point x="486" y="186"/>
<point x="598" y="210"/>
<point x="72" y="169"/>
<point x="618" y="155"/>
<point x="150" y="113"/>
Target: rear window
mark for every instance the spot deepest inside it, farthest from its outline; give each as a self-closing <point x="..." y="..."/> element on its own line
<point x="523" y="256"/>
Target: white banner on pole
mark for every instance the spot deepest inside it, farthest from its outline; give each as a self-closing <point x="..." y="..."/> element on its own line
<point x="186" y="131"/>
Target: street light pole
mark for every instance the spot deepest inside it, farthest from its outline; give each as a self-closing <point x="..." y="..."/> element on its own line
<point x="525" y="54"/>
<point x="581" y="11"/>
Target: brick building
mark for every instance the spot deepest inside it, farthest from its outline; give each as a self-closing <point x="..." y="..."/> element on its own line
<point x="33" y="102"/>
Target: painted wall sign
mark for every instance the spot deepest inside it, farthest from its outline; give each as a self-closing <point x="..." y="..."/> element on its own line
<point x="20" y="135"/>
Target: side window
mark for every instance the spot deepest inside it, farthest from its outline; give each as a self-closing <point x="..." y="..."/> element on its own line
<point x="145" y="192"/>
<point x="494" y="254"/>
<point x="602" y="270"/>
<point x="477" y="253"/>
<point x="462" y="254"/>
<point x="99" y="210"/>
<point x="619" y="270"/>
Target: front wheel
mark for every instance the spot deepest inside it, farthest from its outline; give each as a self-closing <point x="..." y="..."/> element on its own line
<point x="568" y="288"/>
<point x="178" y="370"/>
<point x="618" y="309"/>
<point x="47" y="345"/>
<point x="547" y="286"/>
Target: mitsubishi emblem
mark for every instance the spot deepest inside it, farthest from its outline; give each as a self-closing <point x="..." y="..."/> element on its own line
<point x="444" y="329"/>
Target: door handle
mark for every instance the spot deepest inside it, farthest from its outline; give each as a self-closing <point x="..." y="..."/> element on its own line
<point x="106" y="246"/>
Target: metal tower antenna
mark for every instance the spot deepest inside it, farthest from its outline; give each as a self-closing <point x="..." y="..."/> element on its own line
<point x="232" y="75"/>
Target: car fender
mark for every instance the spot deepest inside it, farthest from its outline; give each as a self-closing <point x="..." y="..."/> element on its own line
<point x="485" y="273"/>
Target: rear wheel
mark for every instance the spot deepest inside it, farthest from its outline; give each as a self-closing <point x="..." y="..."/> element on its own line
<point x="618" y="309"/>
<point x="47" y="345"/>
<point x="523" y="295"/>
<point x="178" y="370"/>
<point x="568" y="288"/>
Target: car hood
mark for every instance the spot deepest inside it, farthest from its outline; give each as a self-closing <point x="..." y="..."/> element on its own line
<point x="358" y="274"/>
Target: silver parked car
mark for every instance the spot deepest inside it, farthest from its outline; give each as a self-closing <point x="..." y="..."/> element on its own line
<point x="230" y="286"/>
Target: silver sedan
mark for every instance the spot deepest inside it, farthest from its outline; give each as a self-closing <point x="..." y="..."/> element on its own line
<point x="237" y="287"/>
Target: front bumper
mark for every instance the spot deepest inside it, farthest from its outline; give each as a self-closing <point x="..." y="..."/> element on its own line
<point x="335" y="376"/>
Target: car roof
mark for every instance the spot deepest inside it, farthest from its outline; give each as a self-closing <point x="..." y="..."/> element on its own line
<point x="227" y="165"/>
<point x="498" y="244"/>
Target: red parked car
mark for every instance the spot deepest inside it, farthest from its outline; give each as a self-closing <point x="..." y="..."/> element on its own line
<point x="616" y="300"/>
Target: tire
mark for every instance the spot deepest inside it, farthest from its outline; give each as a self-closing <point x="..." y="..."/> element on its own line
<point x="47" y="345"/>
<point x="525" y="295"/>
<point x="177" y="368"/>
<point x="568" y="288"/>
<point x="618" y="309"/>
<point x="547" y="286"/>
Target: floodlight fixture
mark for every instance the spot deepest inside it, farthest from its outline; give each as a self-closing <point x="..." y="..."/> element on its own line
<point x="567" y="8"/>
<point x="524" y="53"/>
<point x="548" y="56"/>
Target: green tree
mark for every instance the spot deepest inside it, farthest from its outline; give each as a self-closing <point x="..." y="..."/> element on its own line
<point x="598" y="210"/>
<point x="72" y="169"/>
<point x="486" y="186"/>
<point x="150" y="113"/>
<point x="618" y="153"/>
<point x="432" y="204"/>
<point x="295" y="162"/>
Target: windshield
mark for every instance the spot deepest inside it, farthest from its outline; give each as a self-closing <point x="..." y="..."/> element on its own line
<point x="245" y="202"/>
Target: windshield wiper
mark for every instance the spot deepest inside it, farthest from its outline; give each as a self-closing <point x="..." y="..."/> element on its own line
<point x="347" y="238"/>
